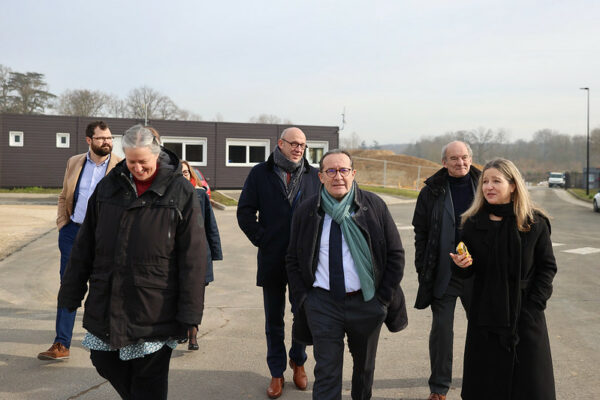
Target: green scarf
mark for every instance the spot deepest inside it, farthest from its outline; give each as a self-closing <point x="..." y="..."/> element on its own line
<point x="340" y="212"/>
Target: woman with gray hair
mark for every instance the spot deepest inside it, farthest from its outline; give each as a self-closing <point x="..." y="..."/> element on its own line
<point x="141" y="248"/>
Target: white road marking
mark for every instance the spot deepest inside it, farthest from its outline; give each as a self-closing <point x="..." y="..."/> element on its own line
<point x="583" y="250"/>
<point x="555" y="244"/>
<point x="404" y="227"/>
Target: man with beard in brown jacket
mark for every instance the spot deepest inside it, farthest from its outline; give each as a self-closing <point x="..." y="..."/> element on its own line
<point x="83" y="173"/>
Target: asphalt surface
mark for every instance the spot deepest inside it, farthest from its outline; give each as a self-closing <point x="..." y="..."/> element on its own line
<point x="231" y="361"/>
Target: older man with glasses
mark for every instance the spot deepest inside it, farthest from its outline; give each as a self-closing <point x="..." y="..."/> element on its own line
<point x="83" y="173"/>
<point x="345" y="261"/>
<point x="273" y="190"/>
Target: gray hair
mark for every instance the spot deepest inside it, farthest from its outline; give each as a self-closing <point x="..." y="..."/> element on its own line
<point x="283" y="132"/>
<point x="456" y="141"/>
<point x="336" y="151"/>
<point x="139" y="136"/>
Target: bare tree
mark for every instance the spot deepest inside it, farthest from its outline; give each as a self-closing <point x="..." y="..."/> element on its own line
<point x="146" y="102"/>
<point x="83" y="102"/>
<point x="269" y="119"/>
<point x="218" y="117"/>
<point x="166" y="109"/>
<point x="483" y="141"/>
<point x="352" y="141"/>
<point x="29" y="93"/>
<point x="116" y="107"/>
<point x="5" y="104"/>
<point x="185" y="115"/>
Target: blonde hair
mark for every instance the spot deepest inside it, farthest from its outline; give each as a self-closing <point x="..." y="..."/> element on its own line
<point x="523" y="207"/>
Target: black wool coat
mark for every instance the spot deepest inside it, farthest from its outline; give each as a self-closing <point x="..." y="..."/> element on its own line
<point x="265" y="216"/>
<point x="144" y="258"/>
<point x="490" y="367"/>
<point x="376" y="223"/>
<point x="427" y="220"/>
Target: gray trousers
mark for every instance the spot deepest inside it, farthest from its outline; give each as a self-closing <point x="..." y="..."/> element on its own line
<point x="441" y="337"/>
<point x="329" y="321"/>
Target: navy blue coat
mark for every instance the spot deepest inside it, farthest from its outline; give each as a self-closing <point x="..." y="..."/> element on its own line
<point x="264" y="193"/>
<point x="213" y="238"/>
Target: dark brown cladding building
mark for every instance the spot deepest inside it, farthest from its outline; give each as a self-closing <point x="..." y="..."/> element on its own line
<point x="34" y="148"/>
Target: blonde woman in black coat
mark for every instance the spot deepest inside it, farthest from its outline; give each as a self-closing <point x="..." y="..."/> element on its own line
<point x="507" y="350"/>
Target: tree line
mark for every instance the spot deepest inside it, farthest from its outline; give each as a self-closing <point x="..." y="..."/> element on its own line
<point x="548" y="150"/>
<point x="28" y="93"/>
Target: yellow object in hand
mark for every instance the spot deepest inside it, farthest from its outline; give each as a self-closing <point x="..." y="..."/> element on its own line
<point x="461" y="248"/>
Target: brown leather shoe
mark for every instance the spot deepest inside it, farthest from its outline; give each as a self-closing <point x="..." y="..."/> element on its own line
<point x="300" y="379"/>
<point x="56" y="352"/>
<point x="437" y="396"/>
<point x="275" y="388"/>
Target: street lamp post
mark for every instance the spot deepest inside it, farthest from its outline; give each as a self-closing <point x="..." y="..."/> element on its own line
<point x="587" y="159"/>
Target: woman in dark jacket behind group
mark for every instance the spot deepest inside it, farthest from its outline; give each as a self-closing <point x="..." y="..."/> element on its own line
<point x="142" y="249"/>
<point x="507" y="350"/>
<point x="213" y="245"/>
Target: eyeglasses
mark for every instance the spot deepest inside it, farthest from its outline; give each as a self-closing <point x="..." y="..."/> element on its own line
<point x="296" y="145"/>
<point x="102" y="138"/>
<point x="332" y="173"/>
<point x="185" y="172"/>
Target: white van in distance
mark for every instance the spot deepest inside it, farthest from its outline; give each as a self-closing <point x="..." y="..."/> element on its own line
<point x="556" y="179"/>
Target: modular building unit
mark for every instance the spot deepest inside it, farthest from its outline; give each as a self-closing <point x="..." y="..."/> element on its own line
<point x="34" y="148"/>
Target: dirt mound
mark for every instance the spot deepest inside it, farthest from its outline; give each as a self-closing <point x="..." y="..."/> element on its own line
<point x="384" y="167"/>
<point x="391" y="156"/>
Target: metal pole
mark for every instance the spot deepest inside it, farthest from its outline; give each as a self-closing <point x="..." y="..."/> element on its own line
<point x="384" y="171"/>
<point x="418" y="177"/>
<point x="587" y="145"/>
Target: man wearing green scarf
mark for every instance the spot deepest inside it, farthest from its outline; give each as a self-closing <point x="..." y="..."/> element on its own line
<point x="345" y="261"/>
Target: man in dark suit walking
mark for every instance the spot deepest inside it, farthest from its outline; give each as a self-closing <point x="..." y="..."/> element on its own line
<point x="273" y="190"/>
<point x="345" y="262"/>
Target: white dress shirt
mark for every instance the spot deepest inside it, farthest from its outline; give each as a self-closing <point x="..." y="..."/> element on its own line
<point x="351" y="280"/>
<point x="90" y="176"/>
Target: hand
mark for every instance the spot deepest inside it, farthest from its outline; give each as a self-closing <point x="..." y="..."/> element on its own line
<point x="462" y="261"/>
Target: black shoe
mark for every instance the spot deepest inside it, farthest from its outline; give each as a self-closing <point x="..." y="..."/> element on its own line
<point x="192" y="333"/>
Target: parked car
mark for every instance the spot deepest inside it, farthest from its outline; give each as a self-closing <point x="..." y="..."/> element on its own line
<point x="597" y="202"/>
<point x="203" y="183"/>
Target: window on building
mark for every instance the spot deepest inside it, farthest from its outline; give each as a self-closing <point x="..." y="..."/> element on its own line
<point x="315" y="151"/>
<point x="192" y="150"/>
<point x="118" y="146"/>
<point x="246" y="152"/>
<point x="15" y="139"/>
<point x="63" y="140"/>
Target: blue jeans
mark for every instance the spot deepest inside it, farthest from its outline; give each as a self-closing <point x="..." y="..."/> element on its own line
<point x="65" y="320"/>
<point x="274" y="302"/>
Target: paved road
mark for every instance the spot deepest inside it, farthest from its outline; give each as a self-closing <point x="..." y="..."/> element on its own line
<point x="230" y="363"/>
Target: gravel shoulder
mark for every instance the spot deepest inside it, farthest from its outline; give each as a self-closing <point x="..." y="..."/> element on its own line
<point x="22" y="223"/>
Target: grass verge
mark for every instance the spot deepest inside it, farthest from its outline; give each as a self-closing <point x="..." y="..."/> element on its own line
<point x="413" y="194"/>
<point x="31" y="189"/>
<point x="222" y="199"/>
<point x="580" y="194"/>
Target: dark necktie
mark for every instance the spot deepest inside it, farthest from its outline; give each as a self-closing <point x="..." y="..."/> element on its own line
<point x="288" y="178"/>
<point x="336" y="268"/>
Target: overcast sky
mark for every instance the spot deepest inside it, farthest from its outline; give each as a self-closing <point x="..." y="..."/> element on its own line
<point x="401" y="69"/>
